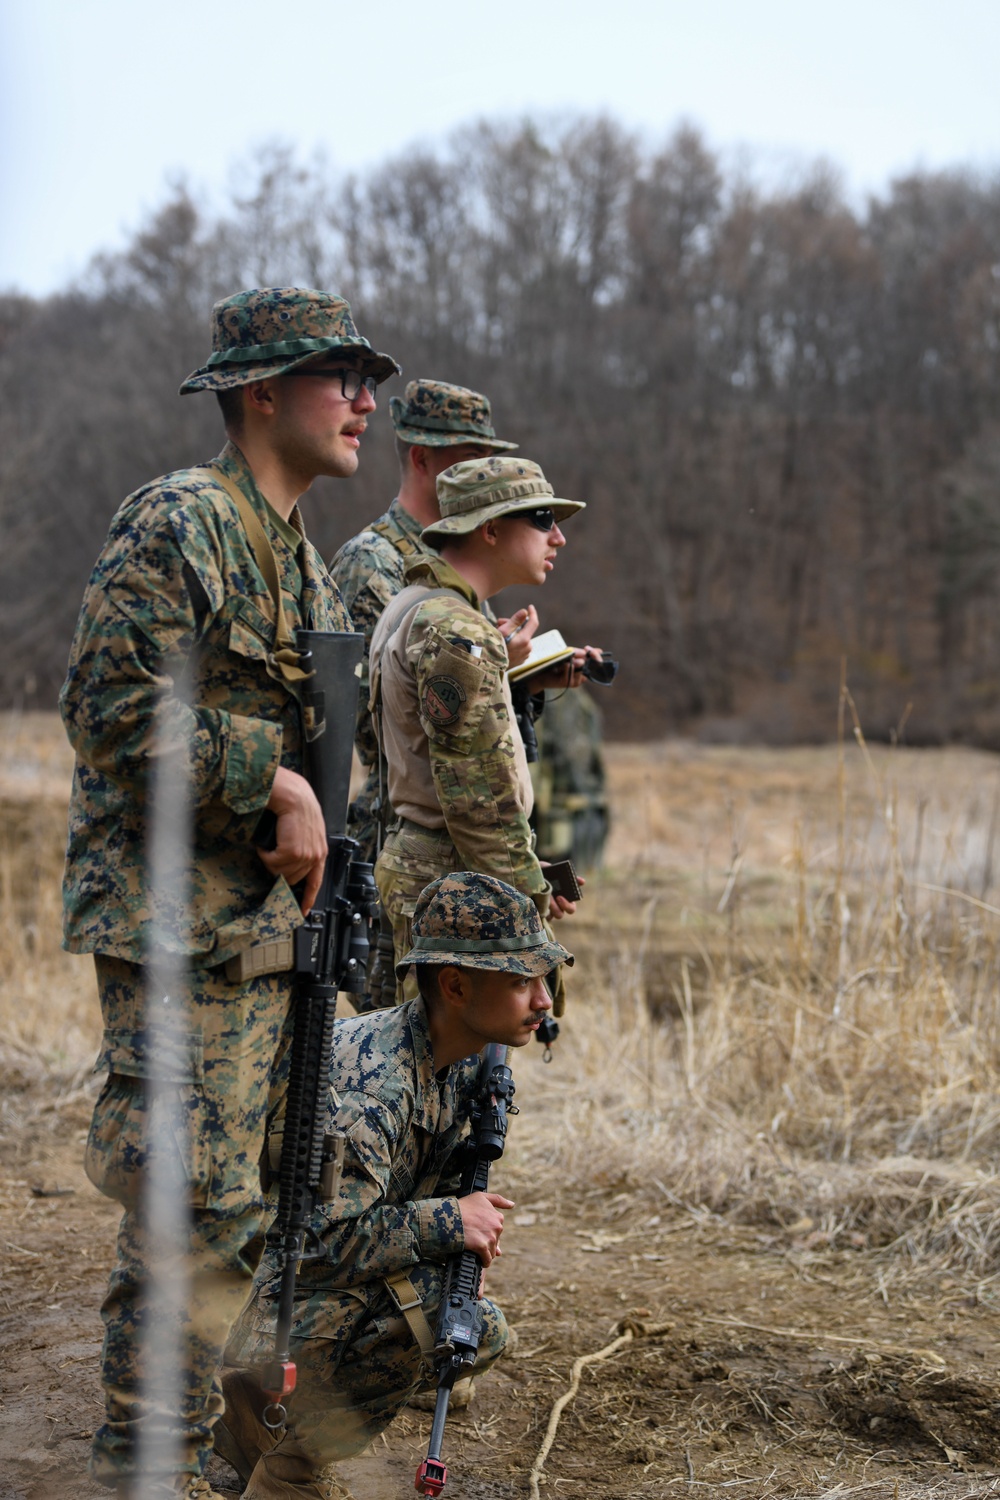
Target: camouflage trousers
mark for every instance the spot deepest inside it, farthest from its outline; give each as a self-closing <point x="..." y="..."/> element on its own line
<point x="411" y="858"/>
<point x="202" y="1128"/>
<point x="358" y="1363"/>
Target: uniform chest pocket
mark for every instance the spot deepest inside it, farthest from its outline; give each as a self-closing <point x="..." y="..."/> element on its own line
<point x="455" y="689"/>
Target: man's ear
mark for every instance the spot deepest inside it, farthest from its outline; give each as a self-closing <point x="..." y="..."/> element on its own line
<point x="489" y="533"/>
<point x="419" y="457"/>
<point x="454" y="987"/>
<point x="259" y="397"/>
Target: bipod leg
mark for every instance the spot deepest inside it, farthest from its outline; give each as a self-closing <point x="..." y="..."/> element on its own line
<point x="432" y="1476"/>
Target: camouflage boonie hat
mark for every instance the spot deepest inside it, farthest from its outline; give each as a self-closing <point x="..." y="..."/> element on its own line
<point x="272" y="330"/>
<point x="479" y="922"/>
<point x="442" y="416"/>
<point x="482" y="488"/>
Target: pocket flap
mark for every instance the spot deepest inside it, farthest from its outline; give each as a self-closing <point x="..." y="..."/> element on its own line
<point x="180" y="1055"/>
<point x="251" y="633"/>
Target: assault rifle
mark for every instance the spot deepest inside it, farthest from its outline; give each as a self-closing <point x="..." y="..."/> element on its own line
<point x="330" y="953"/>
<point x="460" y="1318"/>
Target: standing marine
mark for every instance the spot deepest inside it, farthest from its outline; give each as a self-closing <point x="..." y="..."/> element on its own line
<point x="458" y="778"/>
<point x="436" y="425"/>
<point x="184" y="658"/>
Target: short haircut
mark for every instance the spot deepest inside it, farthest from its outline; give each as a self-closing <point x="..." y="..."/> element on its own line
<point x="427" y="975"/>
<point x="231" y="405"/>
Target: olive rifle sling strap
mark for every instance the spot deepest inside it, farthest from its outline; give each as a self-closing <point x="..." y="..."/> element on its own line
<point x="285" y="658"/>
<point x="409" y="1302"/>
<point x="276" y="956"/>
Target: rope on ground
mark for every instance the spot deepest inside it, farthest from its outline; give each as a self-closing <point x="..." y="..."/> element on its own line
<point x="631" y="1329"/>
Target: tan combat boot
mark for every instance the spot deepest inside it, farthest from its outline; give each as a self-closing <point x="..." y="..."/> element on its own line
<point x="240" y="1434"/>
<point x="288" y="1473"/>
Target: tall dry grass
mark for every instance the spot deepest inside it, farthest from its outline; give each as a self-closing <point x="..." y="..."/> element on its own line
<point x="49" y="1017"/>
<point x="784" y="1010"/>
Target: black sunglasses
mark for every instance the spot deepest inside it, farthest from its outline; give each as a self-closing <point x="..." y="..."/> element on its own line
<point x="542" y="517"/>
<point x="351" y="381"/>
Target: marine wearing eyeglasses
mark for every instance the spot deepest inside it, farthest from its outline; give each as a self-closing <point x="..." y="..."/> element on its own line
<point x="457" y="775"/>
<point x="179" y="629"/>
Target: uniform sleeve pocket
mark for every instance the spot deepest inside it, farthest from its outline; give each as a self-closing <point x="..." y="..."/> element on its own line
<point x="455" y="689"/>
<point x="381" y="588"/>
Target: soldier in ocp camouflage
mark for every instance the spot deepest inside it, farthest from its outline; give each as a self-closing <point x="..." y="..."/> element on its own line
<point x="436" y="425"/>
<point x="178" y="653"/>
<point x="400" y="1090"/>
<point x="457" y="773"/>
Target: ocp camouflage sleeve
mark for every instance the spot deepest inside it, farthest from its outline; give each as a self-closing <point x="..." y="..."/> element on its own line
<point x="470" y="734"/>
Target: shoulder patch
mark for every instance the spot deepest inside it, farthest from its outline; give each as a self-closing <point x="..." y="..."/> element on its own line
<point x="442" y="700"/>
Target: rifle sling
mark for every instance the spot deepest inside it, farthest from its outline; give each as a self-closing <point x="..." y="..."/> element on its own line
<point x="410" y="1303"/>
<point x="284" y="660"/>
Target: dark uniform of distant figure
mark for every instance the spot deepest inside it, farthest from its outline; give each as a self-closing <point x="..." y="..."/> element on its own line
<point x="179" y="590"/>
<point x="396" y="1218"/>
<point x="571" y="816"/>
<point x="453" y="423"/>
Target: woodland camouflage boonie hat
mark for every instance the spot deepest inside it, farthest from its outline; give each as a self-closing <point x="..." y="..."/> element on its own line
<point x="442" y="416"/>
<point x="272" y="330"/>
<point x="479" y="922"/>
<point x="482" y="488"/>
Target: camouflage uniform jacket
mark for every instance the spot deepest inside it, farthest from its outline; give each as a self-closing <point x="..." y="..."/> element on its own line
<point x="397" y="1202"/>
<point x="370" y="570"/>
<point x="455" y="758"/>
<point x="177" y="589"/>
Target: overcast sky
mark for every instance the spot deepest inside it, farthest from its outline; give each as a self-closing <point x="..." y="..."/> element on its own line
<point x="103" y="101"/>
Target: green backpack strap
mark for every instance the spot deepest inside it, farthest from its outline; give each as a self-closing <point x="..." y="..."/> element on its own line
<point x="285" y="658"/>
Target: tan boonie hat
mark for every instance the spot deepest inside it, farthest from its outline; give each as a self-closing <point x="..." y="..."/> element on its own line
<point x="483" y="488"/>
<point x="442" y="416"/>
<point x="479" y="922"/>
<point x="272" y="330"/>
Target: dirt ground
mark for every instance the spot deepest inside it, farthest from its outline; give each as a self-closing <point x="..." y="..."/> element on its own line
<point x="796" y="1363"/>
<point x="784" y="1373"/>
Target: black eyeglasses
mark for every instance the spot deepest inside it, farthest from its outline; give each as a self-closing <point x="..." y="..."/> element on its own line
<point x="351" y="381"/>
<point x="542" y="517"/>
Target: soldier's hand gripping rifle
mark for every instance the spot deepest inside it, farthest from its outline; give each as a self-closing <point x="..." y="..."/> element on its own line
<point x="330" y="953"/>
<point x="460" y="1319"/>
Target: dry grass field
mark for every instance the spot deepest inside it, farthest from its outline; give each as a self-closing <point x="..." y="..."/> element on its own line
<point x="769" y="1142"/>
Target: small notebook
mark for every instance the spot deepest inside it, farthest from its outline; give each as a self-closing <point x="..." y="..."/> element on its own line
<point x="546" y="649"/>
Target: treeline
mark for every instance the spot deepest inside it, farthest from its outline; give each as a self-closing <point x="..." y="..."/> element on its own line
<point x="783" y="412"/>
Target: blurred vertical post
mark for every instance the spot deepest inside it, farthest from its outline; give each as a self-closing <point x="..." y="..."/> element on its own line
<point x="166" y="1204"/>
